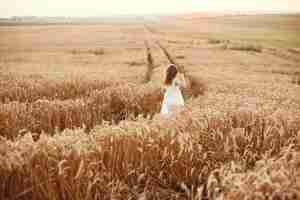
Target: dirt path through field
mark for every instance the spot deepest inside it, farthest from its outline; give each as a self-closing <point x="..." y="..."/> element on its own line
<point x="156" y="70"/>
<point x="195" y="86"/>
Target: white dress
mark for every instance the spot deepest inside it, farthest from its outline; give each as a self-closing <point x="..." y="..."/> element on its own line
<point x="173" y="99"/>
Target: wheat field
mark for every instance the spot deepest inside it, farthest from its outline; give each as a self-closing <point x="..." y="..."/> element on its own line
<point x="80" y="103"/>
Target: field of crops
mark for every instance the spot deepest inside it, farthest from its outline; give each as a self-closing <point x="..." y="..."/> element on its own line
<point x="79" y="110"/>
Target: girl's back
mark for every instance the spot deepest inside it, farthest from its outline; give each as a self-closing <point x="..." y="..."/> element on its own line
<point x="173" y="99"/>
<point x="173" y="95"/>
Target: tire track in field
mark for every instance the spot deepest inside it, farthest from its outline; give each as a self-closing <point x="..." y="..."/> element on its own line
<point x="289" y="54"/>
<point x="195" y="85"/>
<point x="150" y="63"/>
<point x="154" y="58"/>
<point x="167" y="55"/>
<point x="171" y="58"/>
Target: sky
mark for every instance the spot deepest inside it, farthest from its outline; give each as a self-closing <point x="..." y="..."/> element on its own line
<point x="88" y="8"/>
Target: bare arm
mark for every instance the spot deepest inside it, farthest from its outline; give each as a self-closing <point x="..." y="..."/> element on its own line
<point x="181" y="80"/>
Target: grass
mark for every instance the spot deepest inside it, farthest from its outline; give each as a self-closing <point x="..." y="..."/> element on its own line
<point x="276" y="31"/>
<point x="286" y="72"/>
<point x="180" y="57"/>
<point x="243" y="47"/>
<point x="135" y="63"/>
<point x="294" y="50"/>
<point x="296" y="79"/>
<point x="237" y="46"/>
<point x="217" y="41"/>
<point x="214" y="41"/>
<point x="96" y="52"/>
<point x="246" y="47"/>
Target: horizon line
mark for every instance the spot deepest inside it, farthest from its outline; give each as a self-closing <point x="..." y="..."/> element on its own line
<point x="162" y="13"/>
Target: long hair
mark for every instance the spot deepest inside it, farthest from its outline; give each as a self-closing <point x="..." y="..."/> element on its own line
<point x="171" y="74"/>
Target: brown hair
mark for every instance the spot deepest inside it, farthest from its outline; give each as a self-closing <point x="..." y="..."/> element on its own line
<point x="171" y="74"/>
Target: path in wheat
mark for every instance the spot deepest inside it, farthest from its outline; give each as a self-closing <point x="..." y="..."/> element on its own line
<point x="195" y="85"/>
<point x="156" y="61"/>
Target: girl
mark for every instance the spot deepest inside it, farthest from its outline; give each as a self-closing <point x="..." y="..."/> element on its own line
<point x="173" y="99"/>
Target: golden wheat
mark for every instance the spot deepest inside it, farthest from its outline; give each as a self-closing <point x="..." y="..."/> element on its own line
<point x="156" y="159"/>
<point x="111" y="104"/>
<point x="80" y="138"/>
<point x="30" y="89"/>
<point x="276" y="178"/>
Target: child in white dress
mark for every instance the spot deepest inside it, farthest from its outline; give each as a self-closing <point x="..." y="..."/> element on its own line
<point x="173" y="99"/>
